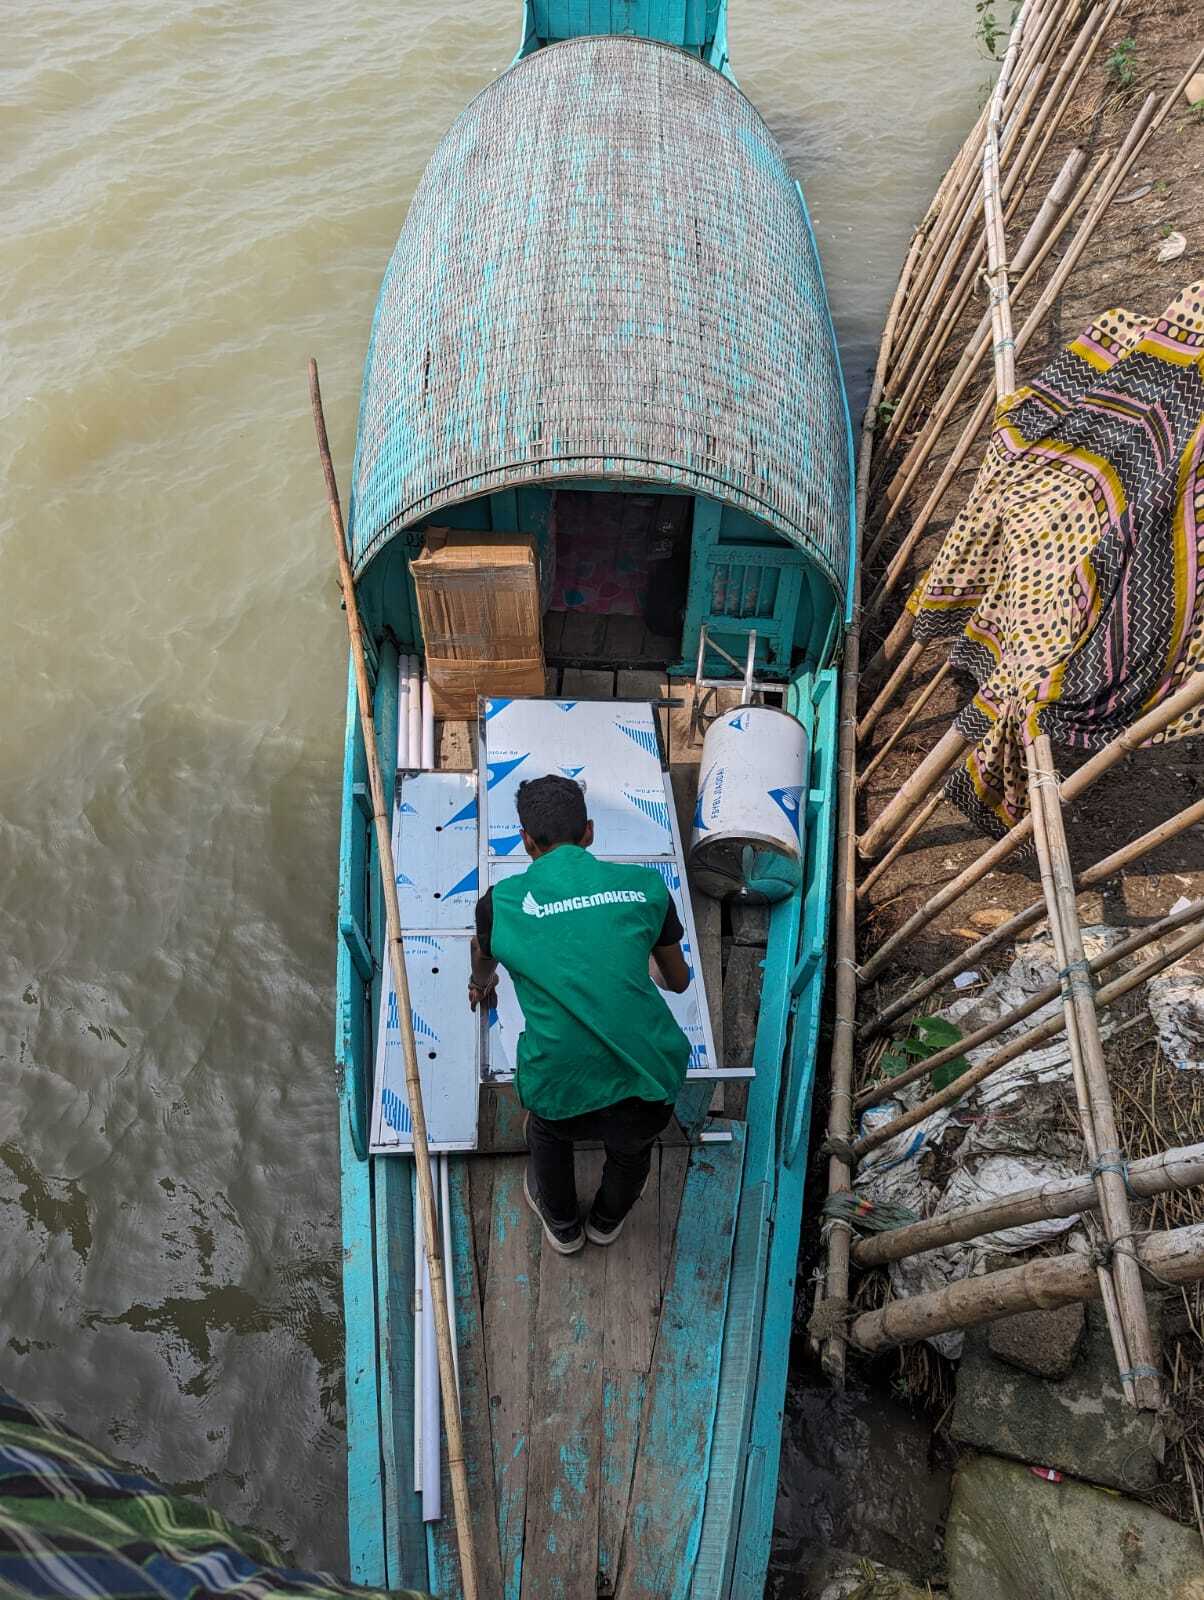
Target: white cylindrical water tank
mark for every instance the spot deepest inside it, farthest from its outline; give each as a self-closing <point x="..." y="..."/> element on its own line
<point x="750" y="817"/>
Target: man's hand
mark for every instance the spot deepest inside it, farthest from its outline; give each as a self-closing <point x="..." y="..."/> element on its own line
<point x="484" y="995"/>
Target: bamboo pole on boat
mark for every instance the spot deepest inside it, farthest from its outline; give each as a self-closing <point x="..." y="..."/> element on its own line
<point x="1187" y="941"/>
<point x="835" y="1285"/>
<point x="1154" y="722"/>
<point x="909" y="716"/>
<point x="1143" y="126"/>
<point x="1089" y="878"/>
<point x="1165" y="1173"/>
<point x="1186" y="915"/>
<point x="1087" y="1053"/>
<point x="1047" y="1281"/>
<point x="457" y="1470"/>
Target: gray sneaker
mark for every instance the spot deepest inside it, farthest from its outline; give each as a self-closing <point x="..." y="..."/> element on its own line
<point x="565" y="1238"/>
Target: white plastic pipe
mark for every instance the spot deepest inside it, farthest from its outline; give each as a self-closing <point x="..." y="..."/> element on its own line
<point x="432" y="1482"/>
<point x="404" y="691"/>
<point x="414" y="742"/>
<point x="448" y="1275"/>
<point x="428" y="726"/>
<point x="417" y="1340"/>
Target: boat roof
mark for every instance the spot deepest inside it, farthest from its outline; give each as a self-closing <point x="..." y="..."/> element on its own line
<point x="608" y="273"/>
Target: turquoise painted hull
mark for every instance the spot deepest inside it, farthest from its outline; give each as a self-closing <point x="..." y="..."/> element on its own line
<point x="719" y="1487"/>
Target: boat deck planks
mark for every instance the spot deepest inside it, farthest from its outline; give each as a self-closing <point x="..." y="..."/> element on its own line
<point x="669" y="1484"/>
<point x="475" y="1408"/>
<point x="566" y="1439"/>
<point x="511" y="1303"/>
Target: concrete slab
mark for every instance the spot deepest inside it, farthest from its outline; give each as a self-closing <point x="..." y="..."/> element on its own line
<point x="1080" y="1424"/>
<point x="1013" y="1536"/>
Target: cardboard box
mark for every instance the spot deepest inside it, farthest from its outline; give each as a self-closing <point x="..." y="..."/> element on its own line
<point x="481" y="614"/>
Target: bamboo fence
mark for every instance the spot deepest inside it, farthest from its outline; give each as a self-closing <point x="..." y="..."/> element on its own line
<point x="962" y="243"/>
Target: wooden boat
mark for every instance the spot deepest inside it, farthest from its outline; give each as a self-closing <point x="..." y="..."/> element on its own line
<point x="606" y="312"/>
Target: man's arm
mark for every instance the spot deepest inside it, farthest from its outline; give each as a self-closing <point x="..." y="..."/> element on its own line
<point x="666" y="965"/>
<point x="670" y="964"/>
<point x="482" y="981"/>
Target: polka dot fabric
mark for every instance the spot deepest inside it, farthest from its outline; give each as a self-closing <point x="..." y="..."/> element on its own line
<point x="1074" y="574"/>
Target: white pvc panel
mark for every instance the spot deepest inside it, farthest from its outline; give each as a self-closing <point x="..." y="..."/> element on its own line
<point x="610" y="747"/>
<point x="447" y="1034"/>
<point x="435" y="849"/>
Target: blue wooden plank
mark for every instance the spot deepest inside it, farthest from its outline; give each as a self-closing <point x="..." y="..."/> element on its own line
<point x="675" y="1450"/>
<point x="405" y="1541"/>
<point x="560" y="1546"/>
<point x="365" y="1502"/>
<point x="474" y="1414"/>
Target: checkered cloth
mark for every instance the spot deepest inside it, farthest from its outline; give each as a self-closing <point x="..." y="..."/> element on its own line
<point x="73" y="1523"/>
<point x="1073" y="579"/>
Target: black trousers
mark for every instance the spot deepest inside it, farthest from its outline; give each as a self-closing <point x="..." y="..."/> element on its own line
<point x="628" y="1130"/>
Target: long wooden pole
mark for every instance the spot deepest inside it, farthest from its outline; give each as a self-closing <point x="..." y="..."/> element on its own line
<point x="1047" y="1281"/>
<point x="835" y="1285"/>
<point x="1089" y="878"/>
<point x="1138" y="733"/>
<point x="422" y="1158"/>
<point x="1087" y="1050"/>
<point x="1171" y="1170"/>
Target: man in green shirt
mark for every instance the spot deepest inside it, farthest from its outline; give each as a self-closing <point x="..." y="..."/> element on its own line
<point x="586" y="942"/>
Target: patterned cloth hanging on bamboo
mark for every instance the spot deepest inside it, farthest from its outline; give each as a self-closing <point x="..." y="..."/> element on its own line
<point x="1075" y="571"/>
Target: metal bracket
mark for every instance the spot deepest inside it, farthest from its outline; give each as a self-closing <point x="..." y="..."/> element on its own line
<point x="752" y="690"/>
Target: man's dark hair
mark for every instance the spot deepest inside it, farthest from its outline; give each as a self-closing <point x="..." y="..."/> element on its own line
<point x="552" y="810"/>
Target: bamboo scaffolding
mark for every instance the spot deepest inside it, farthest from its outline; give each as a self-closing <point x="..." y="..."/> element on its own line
<point x="1090" y="878"/>
<point x="1064" y="91"/>
<point x="1023" y="1043"/>
<point x="1138" y="940"/>
<point x="835" y="1282"/>
<point x="1126" y="743"/>
<point x="1143" y="126"/>
<point x="917" y="825"/>
<point x="382" y="821"/>
<point x="1059" y="208"/>
<point x="909" y="716"/>
<point x="868" y="722"/>
<point x="1008" y="103"/>
<point x="1167" y="1172"/>
<point x="1087" y="1053"/>
<point x="1174" y="1257"/>
<point x="939" y="761"/>
<point x="1044" y="126"/>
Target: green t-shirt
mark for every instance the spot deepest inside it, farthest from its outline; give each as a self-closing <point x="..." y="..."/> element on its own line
<point x="575" y="933"/>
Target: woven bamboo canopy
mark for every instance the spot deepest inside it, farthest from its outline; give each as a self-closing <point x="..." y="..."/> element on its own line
<point x="606" y="273"/>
